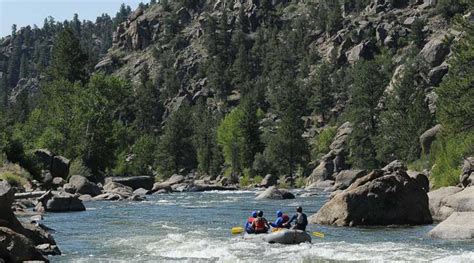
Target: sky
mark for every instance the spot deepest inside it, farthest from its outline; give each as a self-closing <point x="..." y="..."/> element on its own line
<point x="29" y="12"/>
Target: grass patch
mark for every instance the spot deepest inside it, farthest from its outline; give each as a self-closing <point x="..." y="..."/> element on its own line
<point x="447" y="155"/>
<point x="300" y="182"/>
<point x="14" y="174"/>
<point x="13" y="179"/>
<point x="322" y="141"/>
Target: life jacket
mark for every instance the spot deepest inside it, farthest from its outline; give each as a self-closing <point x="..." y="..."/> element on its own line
<point x="285" y="218"/>
<point x="259" y="224"/>
<point x="250" y="220"/>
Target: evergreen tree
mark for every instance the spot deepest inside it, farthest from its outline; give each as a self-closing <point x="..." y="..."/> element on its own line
<point x="175" y="150"/>
<point x="370" y="79"/>
<point x="149" y="109"/>
<point x="69" y="60"/>
<point x="322" y="90"/>
<point x="406" y="117"/>
<point x="249" y="123"/>
<point x="205" y="140"/>
<point x="455" y="104"/>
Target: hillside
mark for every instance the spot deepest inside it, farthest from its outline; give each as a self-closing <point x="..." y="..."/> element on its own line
<point x="240" y="89"/>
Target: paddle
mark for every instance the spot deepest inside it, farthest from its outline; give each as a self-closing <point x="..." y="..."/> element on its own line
<point x="237" y="230"/>
<point x="318" y="234"/>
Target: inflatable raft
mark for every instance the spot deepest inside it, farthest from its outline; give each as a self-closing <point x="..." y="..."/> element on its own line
<point x="285" y="236"/>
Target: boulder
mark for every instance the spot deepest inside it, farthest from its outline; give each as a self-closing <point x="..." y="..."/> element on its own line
<point x="274" y="193"/>
<point x="436" y="74"/>
<point x="379" y="198"/>
<point x="364" y="50"/>
<point x="394" y="166"/>
<point x="327" y="184"/>
<point x="160" y="186"/>
<point x="421" y="178"/>
<point x="427" y="138"/>
<point x="58" y="181"/>
<point x="437" y="200"/>
<point x="346" y="177"/>
<point x="322" y="172"/>
<point x="459" y="225"/>
<point x="118" y="189"/>
<point x="134" y="182"/>
<point x="45" y="157"/>
<point x="467" y="172"/>
<point x="434" y="52"/>
<point x="175" y="179"/>
<point x="64" y="202"/>
<point x="15" y="247"/>
<point x="83" y="186"/>
<point x="48" y="249"/>
<point x="269" y="180"/>
<point x="60" y="167"/>
<point x="142" y="191"/>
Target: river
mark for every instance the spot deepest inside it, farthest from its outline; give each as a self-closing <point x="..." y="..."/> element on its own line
<point x="195" y="227"/>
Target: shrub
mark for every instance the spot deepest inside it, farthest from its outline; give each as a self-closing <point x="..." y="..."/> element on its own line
<point x="257" y="179"/>
<point x="322" y="142"/>
<point x="13" y="179"/>
<point x="447" y="155"/>
<point x="79" y="168"/>
<point x="14" y="174"/>
<point x="300" y="182"/>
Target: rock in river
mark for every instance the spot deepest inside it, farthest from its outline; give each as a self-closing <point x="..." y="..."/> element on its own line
<point x="83" y="186"/>
<point x="275" y="193"/>
<point x="388" y="197"/>
<point x="134" y="182"/>
<point x="459" y="225"/>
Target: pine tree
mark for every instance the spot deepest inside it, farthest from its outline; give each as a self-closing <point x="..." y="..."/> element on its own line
<point x="175" y="150"/>
<point x="249" y="124"/>
<point x="455" y="105"/>
<point x="370" y="79"/>
<point x="322" y="90"/>
<point x="68" y="59"/>
<point x="406" y="117"/>
<point x="149" y="109"/>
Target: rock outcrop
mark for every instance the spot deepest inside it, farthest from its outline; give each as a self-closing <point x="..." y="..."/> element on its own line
<point x="346" y="177"/>
<point x="60" y="202"/>
<point x="467" y="172"/>
<point x="18" y="242"/>
<point x="134" y="182"/>
<point x="445" y="201"/>
<point x="335" y="160"/>
<point x="459" y="225"/>
<point x="57" y="165"/>
<point x="387" y="197"/>
<point x="83" y="186"/>
<point x="269" y="180"/>
<point x="427" y="138"/>
<point x="275" y="193"/>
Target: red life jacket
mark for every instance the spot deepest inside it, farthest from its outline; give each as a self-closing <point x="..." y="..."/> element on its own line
<point x="250" y="220"/>
<point x="259" y="224"/>
<point x="285" y="218"/>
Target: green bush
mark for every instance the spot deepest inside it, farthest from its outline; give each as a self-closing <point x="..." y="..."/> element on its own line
<point x="447" y="155"/>
<point x="257" y="179"/>
<point x="300" y="182"/>
<point x="322" y="142"/>
<point x="13" y="179"/>
<point x="79" y="168"/>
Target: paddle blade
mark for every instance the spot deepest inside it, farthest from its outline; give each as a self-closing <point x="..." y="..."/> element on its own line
<point x="318" y="234"/>
<point x="237" y="230"/>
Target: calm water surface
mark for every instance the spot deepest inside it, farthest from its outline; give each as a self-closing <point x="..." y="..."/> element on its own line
<point x="195" y="227"/>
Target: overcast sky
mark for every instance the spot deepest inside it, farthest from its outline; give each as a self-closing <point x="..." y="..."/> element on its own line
<point x="29" y="12"/>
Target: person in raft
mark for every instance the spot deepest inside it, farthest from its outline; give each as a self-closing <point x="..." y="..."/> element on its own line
<point x="260" y="224"/>
<point x="301" y="219"/>
<point x="248" y="224"/>
<point x="281" y="220"/>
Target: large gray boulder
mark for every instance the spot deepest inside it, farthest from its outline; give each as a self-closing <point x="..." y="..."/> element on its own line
<point x="421" y="178"/>
<point x="134" y="182"/>
<point x="15" y="247"/>
<point x="322" y="172"/>
<point x="346" y="177"/>
<point x="436" y="199"/>
<point x="59" y="202"/>
<point x="435" y="51"/>
<point x="83" y="186"/>
<point x="467" y="172"/>
<point x="427" y="138"/>
<point x="275" y="193"/>
<point x="379" y="198"/>
<point x="459" y="225"/>
<point x="118" y="188"/>
<point x="60" y="166"/>
<point x="167" y="185"/>
<point x="269" y="180"/>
